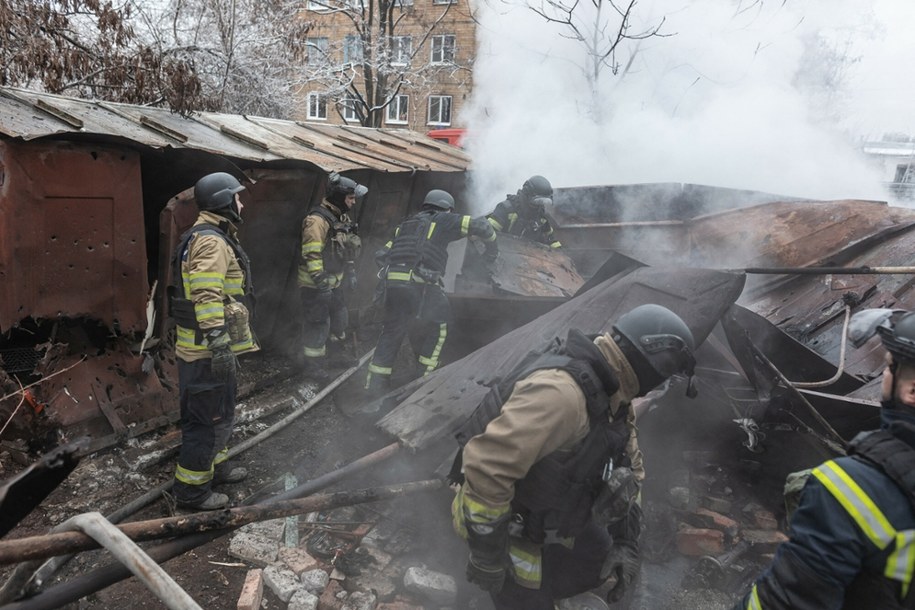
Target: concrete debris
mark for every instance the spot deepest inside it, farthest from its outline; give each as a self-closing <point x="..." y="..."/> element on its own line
<point x="436" y="587"/>
<point x="303" y="600"/>
<point x="283" y="583"/>
<point x="298" y="560"/>
<point x="253" y="548"/>
<point x="315" y="581"/>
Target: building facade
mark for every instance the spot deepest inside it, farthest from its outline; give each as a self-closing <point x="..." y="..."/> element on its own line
<point x="407" y="65"/>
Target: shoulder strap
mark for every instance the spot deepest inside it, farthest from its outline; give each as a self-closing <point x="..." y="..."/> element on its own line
<point x="895" y="457"/>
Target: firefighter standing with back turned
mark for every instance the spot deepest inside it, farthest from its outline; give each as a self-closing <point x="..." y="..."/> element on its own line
<point x="852" y="537"/>
<point x="523" y="214"/>
<point x="212" y="311"/>
<point x="550" y="503"/>
<point x="330" y="248"/>
<point x="413" y="265"/>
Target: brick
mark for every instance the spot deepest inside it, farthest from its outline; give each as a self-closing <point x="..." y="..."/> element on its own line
<point x="696" y="542"/>
<point x="303" y="600"/>
<point x="764" y="519"/>
<point x="297" y="559"/>
<point x="709" y="519"/>
<point x="719" y="505"/>
<point x="764" y="541"/>
<point x="252" y="591"/>
<point x="438" y="588"/>
<point x="333" y="597"/>
<point x="284" y="583"/>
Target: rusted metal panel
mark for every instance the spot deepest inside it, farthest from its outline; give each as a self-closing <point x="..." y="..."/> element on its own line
<point x="29" y="115"/>
<point x="449" y="395"/>
<point x="74" y="241"/>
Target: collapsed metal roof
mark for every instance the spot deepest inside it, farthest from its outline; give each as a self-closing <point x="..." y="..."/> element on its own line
<point x="30" y="115"/>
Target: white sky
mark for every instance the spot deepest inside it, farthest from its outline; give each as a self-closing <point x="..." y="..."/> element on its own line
<point x="716" y="102"/>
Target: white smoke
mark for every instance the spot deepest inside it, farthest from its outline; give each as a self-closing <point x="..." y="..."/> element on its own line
<point x="735" y="96"/>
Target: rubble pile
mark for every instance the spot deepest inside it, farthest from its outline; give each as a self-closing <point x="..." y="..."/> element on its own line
<point x="344" y="559"/>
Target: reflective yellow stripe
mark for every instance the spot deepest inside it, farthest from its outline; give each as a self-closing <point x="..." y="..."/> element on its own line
<point x="753" y="603"/>
<point x="187" y="338"/>
<point x="431" y="363"/>
<point x="404" y="276"/>
<point x="315" y="265"/>
<point x="222" y="456"/>
<point x="431" y="230"/>
<point x="465" y="226"/>
<point x="388" y="245"/>
<point x="491" y="237"/>
<point x="901" y="563"/>
<point x="380" y="370"/>
<point x="856" y="503"/>
<point x="512" y="218"/>
<point x="555" y="244"/>
<point x="193" y="477"/>
<point x="477" y="512"/>
<point x="208" y="311"/>
<point x="495" y="224"/>
<point x="527" y="564"/>
<point x="457" y="514"/>
<point x="314" y="352"/>
<point x="312" y="246"/>
<point x="242" y="345"/>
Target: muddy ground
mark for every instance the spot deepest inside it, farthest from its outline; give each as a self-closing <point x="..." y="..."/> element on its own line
<point x="330" y="435"/>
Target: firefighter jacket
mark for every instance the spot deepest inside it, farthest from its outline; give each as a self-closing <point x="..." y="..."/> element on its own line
<point x="213" y="280"/>
<point x="513" y="216"/>
<point x="418" y="252"/>
<point x="544" y="420"/>
<point x="329" y="242"/>
<point x="852" y="538"/>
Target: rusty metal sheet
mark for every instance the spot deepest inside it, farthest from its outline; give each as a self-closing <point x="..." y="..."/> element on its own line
<point x="524" y="268"/>
<point x="30" y="114"/>
<point x="449" y="395"/>
<point x="74" y="241"/>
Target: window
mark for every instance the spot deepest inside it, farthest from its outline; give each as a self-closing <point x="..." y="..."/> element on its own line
<point x="317" y="51"/>
<point x="439" y="110"/>
<point x="401" y="48"/>
<point x="317" y="106"/>
<point x="443" y="49"/>
<point x="403" y="3"/>
<point x="352" y="50"/>
<point x="397" y="110"/>
<point x="317" y="5"/>
<point x="444" y="1"/>
<point x="349" y="108"/>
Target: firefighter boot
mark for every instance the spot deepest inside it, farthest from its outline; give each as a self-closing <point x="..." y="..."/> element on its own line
<point x="377" y="385"/>
<point x="214" y="501"/>
<point x="227" y="473"/>
<point x="313" y="368"/>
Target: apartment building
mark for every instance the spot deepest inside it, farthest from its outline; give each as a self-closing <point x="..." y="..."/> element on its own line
<point x="408" y="66"/>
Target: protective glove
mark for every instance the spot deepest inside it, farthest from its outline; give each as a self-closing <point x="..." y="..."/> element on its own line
<point x="622" y="562"/>
<point x="321" y="281"/>
<point x="223" y="362"/>
<point x="488" y="542"/>
<point x="491" y="253"/>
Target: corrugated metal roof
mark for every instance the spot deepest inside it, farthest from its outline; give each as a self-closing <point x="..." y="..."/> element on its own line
<point x="29" y="115"/>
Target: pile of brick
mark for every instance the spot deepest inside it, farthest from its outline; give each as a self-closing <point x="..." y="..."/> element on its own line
<point x="283" y="564"/>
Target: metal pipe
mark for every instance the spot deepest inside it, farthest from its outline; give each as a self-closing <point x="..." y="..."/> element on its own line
<point x="26" y="571"/>
<point x="839" y="369"/>
<point x="49" y="545"/>
<point x="135" y="560"/>
<point x="108" y="575"/>
<point x="864" y="270"/>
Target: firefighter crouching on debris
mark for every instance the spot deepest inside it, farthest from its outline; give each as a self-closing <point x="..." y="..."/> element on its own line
<point x="412" y="268"/>
<point x="523" y="214"/>
<point x="550" y="503"/>
<point x="852" y="537"/>
<point x="212" y="312"/>
<point x="330" y="247"/>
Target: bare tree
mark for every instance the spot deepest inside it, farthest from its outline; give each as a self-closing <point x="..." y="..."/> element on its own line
<point x="386" y="52"/>
<point x="604" y="28"/>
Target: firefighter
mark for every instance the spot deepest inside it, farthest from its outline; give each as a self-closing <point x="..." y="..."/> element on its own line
<point x="211" y="309"/>
<point x="523" y="214"/>
<point x="852" y="536"/>
<point x="550" y="467"/>
<point x="330" y="247"/>
<point x="413" y="265"/>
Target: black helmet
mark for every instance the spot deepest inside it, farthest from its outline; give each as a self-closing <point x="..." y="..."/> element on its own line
<point x="657" y="343"/>
<point x="338" y="187"/>
<point x="216" y="193"/>
<point x="899" y="338"/>
<point x="440" y="199"/>
<point x="536" y="186"/>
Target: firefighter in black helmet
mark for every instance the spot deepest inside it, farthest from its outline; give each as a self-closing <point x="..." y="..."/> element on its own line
<point x="211" y="309"/>
<point x="327" y="267"/>
<point x="550" y="468"/>
<point x="524" y="214"/>
<point x="413" y="265"/>
<point x="852" y="536"/>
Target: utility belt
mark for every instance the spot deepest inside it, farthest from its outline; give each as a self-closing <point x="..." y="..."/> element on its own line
<point x="236" y="314"/>
<point x="419" y="275"/>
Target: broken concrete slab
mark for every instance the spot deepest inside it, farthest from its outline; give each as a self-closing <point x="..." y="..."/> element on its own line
<point x="438" y="588"/>
<point x="284" y="583"/>
<point x="253" y="548"/>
